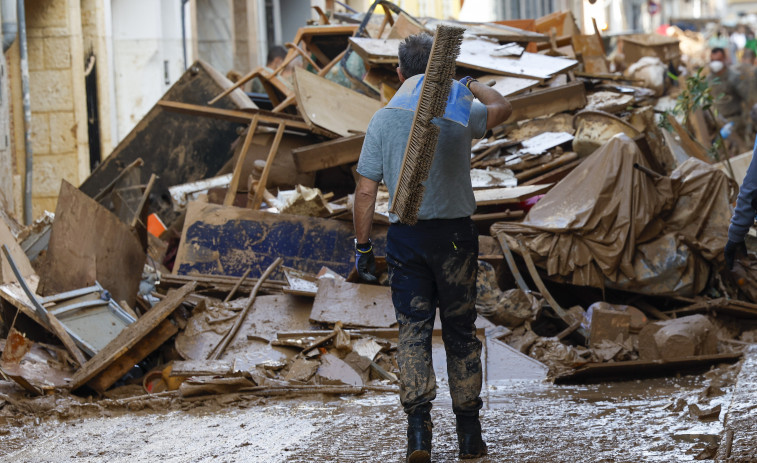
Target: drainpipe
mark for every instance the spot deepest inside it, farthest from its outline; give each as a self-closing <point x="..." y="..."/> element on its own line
<point x="10" y="26"/>
<point x="184" y="32"/>
<point x="27" y="111"/>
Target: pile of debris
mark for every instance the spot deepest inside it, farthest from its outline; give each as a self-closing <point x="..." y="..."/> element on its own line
<point x="211" y="252"/>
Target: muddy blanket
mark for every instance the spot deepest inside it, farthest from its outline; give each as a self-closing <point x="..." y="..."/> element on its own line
<point x="609" y="224"/>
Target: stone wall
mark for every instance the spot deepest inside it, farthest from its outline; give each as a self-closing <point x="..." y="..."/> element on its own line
<point x="58" y="101"/>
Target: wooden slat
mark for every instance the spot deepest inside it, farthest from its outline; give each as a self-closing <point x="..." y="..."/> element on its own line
<point x="231" y="193"/>
<point x="261" y="184"/>
<point x="328" y="154"/>
<point x="231" y="115"/>
<point x="130" y="337"/>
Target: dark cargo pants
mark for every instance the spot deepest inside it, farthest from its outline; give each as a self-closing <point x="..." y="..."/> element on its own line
<point x="435" y="263"/>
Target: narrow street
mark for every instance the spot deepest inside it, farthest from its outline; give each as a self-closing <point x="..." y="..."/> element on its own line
<point x="524" y="421"/>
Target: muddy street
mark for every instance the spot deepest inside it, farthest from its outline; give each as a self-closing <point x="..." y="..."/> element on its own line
<point x="524" y="421"/>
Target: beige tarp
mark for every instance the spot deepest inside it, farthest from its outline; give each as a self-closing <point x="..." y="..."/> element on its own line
<point x="609" y="224"/>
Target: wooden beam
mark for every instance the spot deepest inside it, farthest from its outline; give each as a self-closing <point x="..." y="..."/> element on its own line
<point x="554" y="175"/>
<point x="548" y="101"/>
<point x="258" y="198"/>
<point x="547" y="166"/>
<point x="128" y="339"/>
<point x="231" y="115"/>
<point x="328" y="154"/>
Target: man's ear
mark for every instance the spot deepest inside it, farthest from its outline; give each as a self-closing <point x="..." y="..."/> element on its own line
<point x="399" y="74"/>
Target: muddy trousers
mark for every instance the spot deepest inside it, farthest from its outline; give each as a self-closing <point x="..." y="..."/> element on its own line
<point x="434" y="263"/>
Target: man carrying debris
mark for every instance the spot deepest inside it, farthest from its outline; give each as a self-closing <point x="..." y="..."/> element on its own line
<point x="435" y="261"/>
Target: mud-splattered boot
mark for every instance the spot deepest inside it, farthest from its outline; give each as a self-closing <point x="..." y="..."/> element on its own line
<point x="469" y="438"/>
<point x="419" y="438"/>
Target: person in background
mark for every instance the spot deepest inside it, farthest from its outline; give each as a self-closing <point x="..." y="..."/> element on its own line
<point x="748" y="88"/>
<point x="725" y="89"/>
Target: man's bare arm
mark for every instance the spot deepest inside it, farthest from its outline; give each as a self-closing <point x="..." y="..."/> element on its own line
<point x="365" y="204"/>
<point x="498" y="109"/>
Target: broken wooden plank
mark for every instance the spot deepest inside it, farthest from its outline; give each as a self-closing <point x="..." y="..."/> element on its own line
<point x="181" y="149"/>
<point x="553" y="176"/>
<point x="133" y="344"/>
<point x="508" y="195"/>
<point x="353" y="304"/>
<point x="633" y="369"/>
<point x="229" y="240"/>
<point x="331" y="153"/>
<point x="330" y="106"/>
<point x="88" y="243"/>
<point x="548" y="101"/>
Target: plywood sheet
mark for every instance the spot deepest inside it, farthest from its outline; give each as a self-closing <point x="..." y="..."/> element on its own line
<point x="508" y="195"/>
<point x="353" y="304"/>
<point x="224" y="240"/>
<point x="332" y="107"/>
<point x="88" y="243"/>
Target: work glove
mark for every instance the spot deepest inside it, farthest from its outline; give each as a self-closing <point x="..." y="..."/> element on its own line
<point x="365" y="261"/>
<point x="733" y="250"/>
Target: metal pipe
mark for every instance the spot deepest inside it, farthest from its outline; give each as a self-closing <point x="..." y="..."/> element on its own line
<point x="27" y="112"/>
<point x="10" y="23"/>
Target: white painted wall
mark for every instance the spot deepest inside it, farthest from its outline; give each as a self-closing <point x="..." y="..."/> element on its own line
<point x="147" y="56"/>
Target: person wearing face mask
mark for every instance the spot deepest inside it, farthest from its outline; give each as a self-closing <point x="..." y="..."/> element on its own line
<point x="729" y="97"/>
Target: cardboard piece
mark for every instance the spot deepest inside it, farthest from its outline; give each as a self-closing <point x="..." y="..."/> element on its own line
<point x="88" y="243"/>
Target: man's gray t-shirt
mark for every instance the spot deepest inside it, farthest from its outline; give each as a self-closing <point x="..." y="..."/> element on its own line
<point x="448" y="193"/>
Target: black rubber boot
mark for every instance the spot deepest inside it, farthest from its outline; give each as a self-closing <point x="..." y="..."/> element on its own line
<point x="469" y="438"/>
<point x="419" y="438"/>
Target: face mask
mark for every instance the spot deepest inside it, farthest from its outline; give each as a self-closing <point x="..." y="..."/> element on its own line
<point x="716" y="66"/>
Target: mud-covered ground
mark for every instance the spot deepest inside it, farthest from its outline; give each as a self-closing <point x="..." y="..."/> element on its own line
<point x="524" y="421"/>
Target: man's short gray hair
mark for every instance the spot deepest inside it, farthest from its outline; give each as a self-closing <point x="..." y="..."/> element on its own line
<point x="413" y="53"/>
